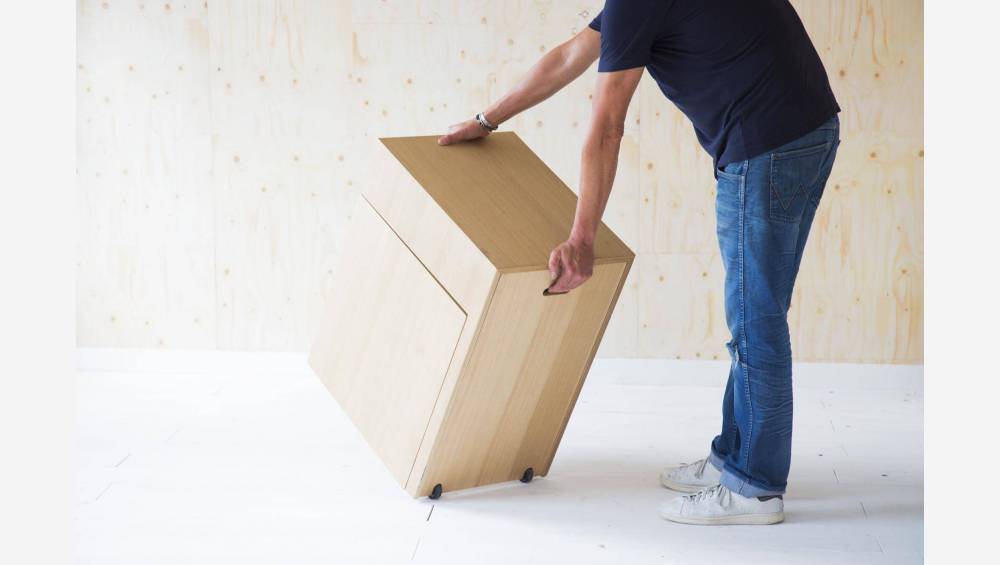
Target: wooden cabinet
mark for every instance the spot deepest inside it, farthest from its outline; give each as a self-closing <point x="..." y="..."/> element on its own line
<point x="438" y="342"/>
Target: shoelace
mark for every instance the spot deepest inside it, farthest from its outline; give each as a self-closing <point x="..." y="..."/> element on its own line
<point x="701" y="467"/>
<point x="700" y="464"/>
<point x="717" y="491"/>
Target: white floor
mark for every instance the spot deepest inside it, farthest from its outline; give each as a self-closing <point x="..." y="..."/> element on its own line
<point x="254" y="463"/>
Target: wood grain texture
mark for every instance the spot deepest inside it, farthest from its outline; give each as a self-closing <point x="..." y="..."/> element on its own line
<point x="454" y="259"/>
<point x="859" y="296"/>
<point x="146" y="264"/>
<point x="439" y="342"/>
<point x="284" y="166"/>
<point x="296" y="90"/>
<point x="520" y="381"/>
<point x="387" y="341"/>
<point x="680" y="306"/>
<point x="502" y="196"/>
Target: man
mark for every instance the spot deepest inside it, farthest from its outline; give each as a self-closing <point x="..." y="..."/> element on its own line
<point x="749" y="79"/>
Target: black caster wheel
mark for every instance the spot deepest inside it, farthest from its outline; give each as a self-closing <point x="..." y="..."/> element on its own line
<point x="436" y="492"/>
<point x="529" y="474"/>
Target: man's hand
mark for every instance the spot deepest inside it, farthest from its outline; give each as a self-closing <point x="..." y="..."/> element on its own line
<point x="463" y="131"/>
<point x="571" y="264"/>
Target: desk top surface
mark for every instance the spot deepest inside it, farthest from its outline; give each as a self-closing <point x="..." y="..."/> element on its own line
<point x="502" y="196"/>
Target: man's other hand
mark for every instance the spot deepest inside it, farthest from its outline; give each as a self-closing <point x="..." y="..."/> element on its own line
<point x="571" y="263"/>
<point x="463" y="131"/>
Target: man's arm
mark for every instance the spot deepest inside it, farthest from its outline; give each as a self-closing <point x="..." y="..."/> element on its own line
<point x="572" y="262"/>
<point x="555" y="70"/>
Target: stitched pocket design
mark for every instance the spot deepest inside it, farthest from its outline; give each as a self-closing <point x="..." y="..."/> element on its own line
<point x="793" y="176"/>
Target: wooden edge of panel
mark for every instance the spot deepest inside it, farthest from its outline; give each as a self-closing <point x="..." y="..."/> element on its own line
<point x="321" y="366"/>
<point x="395" y="147"/>
<point x="601" y="261"/>
<point x="470" y="332"/>
<point x="415" y="256"/>
<point x="544" y="471"/>
<point x="437" y="403"/>
<point x="411" y="212"/>
<point x="435" y="471"/>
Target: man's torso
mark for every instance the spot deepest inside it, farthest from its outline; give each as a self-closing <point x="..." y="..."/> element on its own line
<point x="744" y="71"/>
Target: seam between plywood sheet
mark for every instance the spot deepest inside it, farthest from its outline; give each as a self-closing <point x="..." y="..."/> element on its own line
<point x="461" y="266"/>
<point x="452" y="383"/>
<point x="354" y="347"/>
<point x="417" y="257"/>
<point x="437" y="399"/>
<point x="465" y="321"/>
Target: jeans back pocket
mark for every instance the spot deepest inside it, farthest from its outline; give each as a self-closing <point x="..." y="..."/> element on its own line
<point x="793" y="177"/>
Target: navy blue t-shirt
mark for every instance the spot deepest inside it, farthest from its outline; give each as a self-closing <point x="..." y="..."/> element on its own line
<point x="743" y="71"/>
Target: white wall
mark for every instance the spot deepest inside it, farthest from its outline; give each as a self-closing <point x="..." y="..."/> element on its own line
<point x="221" y="144"/>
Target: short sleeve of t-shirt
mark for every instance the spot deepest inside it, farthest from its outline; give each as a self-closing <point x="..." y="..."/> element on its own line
<point x="628" y="30"/>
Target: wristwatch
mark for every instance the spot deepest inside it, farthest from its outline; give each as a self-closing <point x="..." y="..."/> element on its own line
<point x="484" y="123"/>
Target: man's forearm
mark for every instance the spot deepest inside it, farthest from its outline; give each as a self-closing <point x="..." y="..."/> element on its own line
<point x="551" y="73"/>
<point x="597" y="176"/>
<point x="571" y="262"/>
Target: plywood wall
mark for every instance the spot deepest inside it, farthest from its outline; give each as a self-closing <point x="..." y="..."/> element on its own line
<point x="222" y="143"/>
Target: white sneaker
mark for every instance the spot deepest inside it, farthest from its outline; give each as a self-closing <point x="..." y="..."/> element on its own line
<point x="690" y="477"/>
<point x="716" y="506"/>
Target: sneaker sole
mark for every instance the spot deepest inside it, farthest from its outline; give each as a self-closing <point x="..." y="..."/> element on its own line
<point x="682" y="487"/>
<point x="739" y="520"/>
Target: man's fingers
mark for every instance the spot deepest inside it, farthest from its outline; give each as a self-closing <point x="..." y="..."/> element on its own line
<point x="451" y="136"/>
<point x="569" y="268"/>
<point x="558" y="286"/>
<point x="565" y="283"/>
<point x="463" y="131"/>
<point x="569" y="278"/>
<point x="556" y="271"/>
<point x="566" y="273"/>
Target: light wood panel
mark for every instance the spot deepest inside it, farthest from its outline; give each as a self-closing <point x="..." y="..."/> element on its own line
<point x="285" y="168"/>
<point x="218" y="261"/>
<point x="508" y="203"/>
<point x="389" y="335"/>
<point x="681" y="313"/>
<point x="676" y="183"/>
<point x="145" y="259"/>
<point x="455" y="261"/>
<point x="437" y="239"/>
<point x="521" y="380"/>
<point x="843" y="301"/>
<point x="860" y="293"/>
<point x="479" y="219"/>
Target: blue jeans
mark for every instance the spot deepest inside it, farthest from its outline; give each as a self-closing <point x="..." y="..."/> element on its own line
<point x="764" y="209"/>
